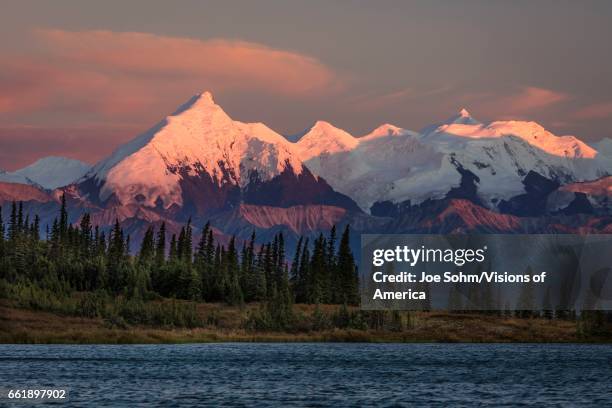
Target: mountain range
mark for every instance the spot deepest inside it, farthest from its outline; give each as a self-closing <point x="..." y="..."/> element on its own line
<point x="457" y="176"/>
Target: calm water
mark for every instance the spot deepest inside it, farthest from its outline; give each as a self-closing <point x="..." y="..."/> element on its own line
<point x="315" y="374"/>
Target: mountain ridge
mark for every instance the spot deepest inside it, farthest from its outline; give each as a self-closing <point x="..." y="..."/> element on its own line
<point x="459" y="176"/>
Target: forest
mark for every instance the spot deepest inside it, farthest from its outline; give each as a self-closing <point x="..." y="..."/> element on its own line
<point x="85" y="259"/>
<point x="81" y="270"/>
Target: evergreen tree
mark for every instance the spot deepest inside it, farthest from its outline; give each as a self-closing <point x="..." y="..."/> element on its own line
<point x="260" y="289"/>
<point x="20" y="222"/>
<point x="63" y="221"/>
<point x="347" y="271"/>
<point x="13" y="226"/>
<point x="187" y="250"/>
<point x="85" y="234"/>
<point x="200" y="263"/>
<point x="295" y="265"/>
<point x="160" y="249"/>
<point x="2" y="253"/>
<point x="234" y="294"/>
<point x="147" y="248"/>
<point x="317" y="283"/>
<point x="35" y="227"/>
<point x="302" y="281"/>
<point x="116" y="258"/>
<point x="218" y="278"/>
<point x="173" y="255"/>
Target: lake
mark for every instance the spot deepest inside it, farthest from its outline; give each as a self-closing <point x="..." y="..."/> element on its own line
<point x="251" y="374"/>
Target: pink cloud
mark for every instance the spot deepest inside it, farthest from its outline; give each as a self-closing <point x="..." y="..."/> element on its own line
<point x="595" y="111"/>
<point x="525" y="103"/>
<point x="125" y="73"/>
<point x="532" y="98"/>
<point x="227" y="63"/>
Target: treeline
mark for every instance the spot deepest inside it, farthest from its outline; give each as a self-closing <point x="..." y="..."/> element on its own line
<point x="85" y="258"/>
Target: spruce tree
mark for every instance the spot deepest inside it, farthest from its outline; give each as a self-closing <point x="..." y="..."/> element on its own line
<point x="200" y="262"/>
<point x="85" y="234"/>
<point x="260" y="290"/>
<point x="347" y="270"/>
<point x="234" y="293"/>
<point x="63" y="221"/>
<point x="247" y="269"/>
<point x="160" y="249"/>
<point x="173" y="255"/>
<point x="20" y="222"/>
<point x="303" y="278"/>
<point x="218" y="275"/>
<point x="35" y="227"/>
<point x="187" y="250"/>
<point x="115" y="257"/>
<point x="295" y="264"/>
<point x="13" y="226"/>
<point x="2" y="253"/>
<point x="147" y="248"/>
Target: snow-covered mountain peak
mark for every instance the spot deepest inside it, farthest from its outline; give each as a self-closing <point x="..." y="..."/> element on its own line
<point x="462" y="118"/>
<point x="418" y="167"/>
<point x="384" y="130"/>
<point x="325" y="138"/>
<point x="198" y="138"/>
<point x="323" y="126"/>
<point x="467" y="130"/>
<point x="206" y="97"/>
<point x="49" y="172"/>
<point x="203" y="100"/>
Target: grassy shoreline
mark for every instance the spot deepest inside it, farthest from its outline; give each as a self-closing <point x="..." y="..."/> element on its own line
<point x="23" y="326"/>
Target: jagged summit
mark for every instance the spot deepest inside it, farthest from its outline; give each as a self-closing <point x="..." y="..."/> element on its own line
<point x="204" y="100"/>
<point x="462" y="118"/>
<point x="325" y="138"/>
<point x="201" y="101"/>
<point x="207" y="96"/>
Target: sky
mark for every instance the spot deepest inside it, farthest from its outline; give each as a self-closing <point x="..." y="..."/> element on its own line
<point x="78" y="78"/>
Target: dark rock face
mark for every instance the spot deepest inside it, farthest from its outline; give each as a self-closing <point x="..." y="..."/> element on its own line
<point x="90" y="188"/>
<point x="580" y="205"/>
<point x="385" y="209"/>
<point x="533" y="202"/>
<point x="204" y="195"/>
<point x="288" y="189"/>
<point x="468" y="188"/>
<point x="390" y="209"/>
<point x="538" y="185"/>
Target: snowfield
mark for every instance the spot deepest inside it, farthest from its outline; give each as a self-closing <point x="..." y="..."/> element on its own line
<point x="398" y="165"/>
